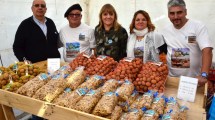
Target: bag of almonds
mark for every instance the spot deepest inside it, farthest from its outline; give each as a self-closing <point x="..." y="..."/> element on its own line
<point x="29" y="88"/>
<point x="89" y="101"/>
<point x="125" y="90"/>
<point x="110" y="86"/>
<point x="93" y="82"/>
<point x="76" y="78"/>
<point x="106" y="104"/>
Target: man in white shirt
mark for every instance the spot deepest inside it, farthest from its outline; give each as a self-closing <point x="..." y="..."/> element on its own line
<point x="77" y="37"/>
<point x="189" y="46"/>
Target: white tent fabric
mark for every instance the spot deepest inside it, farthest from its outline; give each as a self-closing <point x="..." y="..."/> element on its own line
<point x="14" y="11"/>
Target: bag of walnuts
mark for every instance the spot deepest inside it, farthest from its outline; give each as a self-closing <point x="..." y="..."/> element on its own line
<point x="29" y="88"/>
<point x="89" y="101"/>
<point x="106" y="104"/>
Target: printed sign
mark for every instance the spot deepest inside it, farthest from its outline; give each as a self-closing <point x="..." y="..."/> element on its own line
<point x="187" y="88"/>
<point x="53" y="64"/>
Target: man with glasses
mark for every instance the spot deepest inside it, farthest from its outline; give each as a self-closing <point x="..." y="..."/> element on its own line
<point x="188" y="43"/>
<point x="77" y="37"/>
<point x="36" y="38"/>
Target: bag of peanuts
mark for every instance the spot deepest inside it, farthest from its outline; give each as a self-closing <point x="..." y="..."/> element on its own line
<point x="33" y="85"/>
<point x="52" y="89"/>
<point x="93" y="82"/>
<point x="150" y="115"/>
<point x="76" y="78"/>
<point x="106" y="104"/>
<point x="136" y="104"/>
<point x="125" y="90"/>
<point x="110" y="86"/>
<point x="89" y="101"/>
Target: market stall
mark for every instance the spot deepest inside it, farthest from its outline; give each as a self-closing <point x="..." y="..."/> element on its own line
<point x="53" y="111"/>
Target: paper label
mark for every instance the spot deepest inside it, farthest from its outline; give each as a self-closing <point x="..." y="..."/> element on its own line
<point x="91" y="92"/>
<point x="67" y="90"/>
<point x="128" y="59"/>
<point x="101" y="57"/>
<point x="187" y="88"/>
<point x="149" y="113"/>
<point x="43" y="76"/>
<point x="53" y="65"/>
<point x="81" y="91"/>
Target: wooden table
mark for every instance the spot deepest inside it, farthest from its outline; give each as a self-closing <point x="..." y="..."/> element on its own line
<point x="54" y="112"/>
<point x="196" y="109"/>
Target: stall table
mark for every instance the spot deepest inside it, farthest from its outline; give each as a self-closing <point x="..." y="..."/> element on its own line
<point x="54" y="112"/>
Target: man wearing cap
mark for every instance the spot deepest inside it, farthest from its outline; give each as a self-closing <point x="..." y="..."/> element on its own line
<point x="77" y="37"/>
<point x="36" y="38"/>
<point x="188" y="43"/>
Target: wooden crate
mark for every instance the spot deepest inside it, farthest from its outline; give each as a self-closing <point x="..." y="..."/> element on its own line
<point x="43" y="109"/>
<point x="54" y="112"/>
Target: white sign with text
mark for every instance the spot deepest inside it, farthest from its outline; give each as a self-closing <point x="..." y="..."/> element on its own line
<point x="53" y="65"/>
<point x="187" y="88"/>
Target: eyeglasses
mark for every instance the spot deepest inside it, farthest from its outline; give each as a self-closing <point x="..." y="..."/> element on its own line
<point x="74" y="15"/>
<point x="40" y="5"/>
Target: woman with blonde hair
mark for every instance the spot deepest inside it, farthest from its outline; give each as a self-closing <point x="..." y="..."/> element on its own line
<point x="110" y="36"/>
<point x="143" y="42"/>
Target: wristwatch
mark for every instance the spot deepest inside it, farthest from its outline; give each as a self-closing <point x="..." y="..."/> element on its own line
<point x="204" y="75"/>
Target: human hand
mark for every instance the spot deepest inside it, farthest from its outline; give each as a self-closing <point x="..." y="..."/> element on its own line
<point x="201" y="81"/>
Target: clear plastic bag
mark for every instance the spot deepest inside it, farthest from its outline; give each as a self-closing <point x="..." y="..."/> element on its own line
<point x="89" y="101"/>
<point x="106" y="105"/>
<point x="33" y="85"/>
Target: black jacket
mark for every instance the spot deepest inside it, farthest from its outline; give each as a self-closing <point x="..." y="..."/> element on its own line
<point x="31" y="43"/>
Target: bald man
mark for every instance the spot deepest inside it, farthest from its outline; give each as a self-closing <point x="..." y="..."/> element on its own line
<point x="36" y="38"/>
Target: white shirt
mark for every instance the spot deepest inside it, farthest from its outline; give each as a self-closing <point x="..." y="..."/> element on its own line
<point x="82" y="37"/>
<point x="41" y="25"/>
<point x="185" y="46"/>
